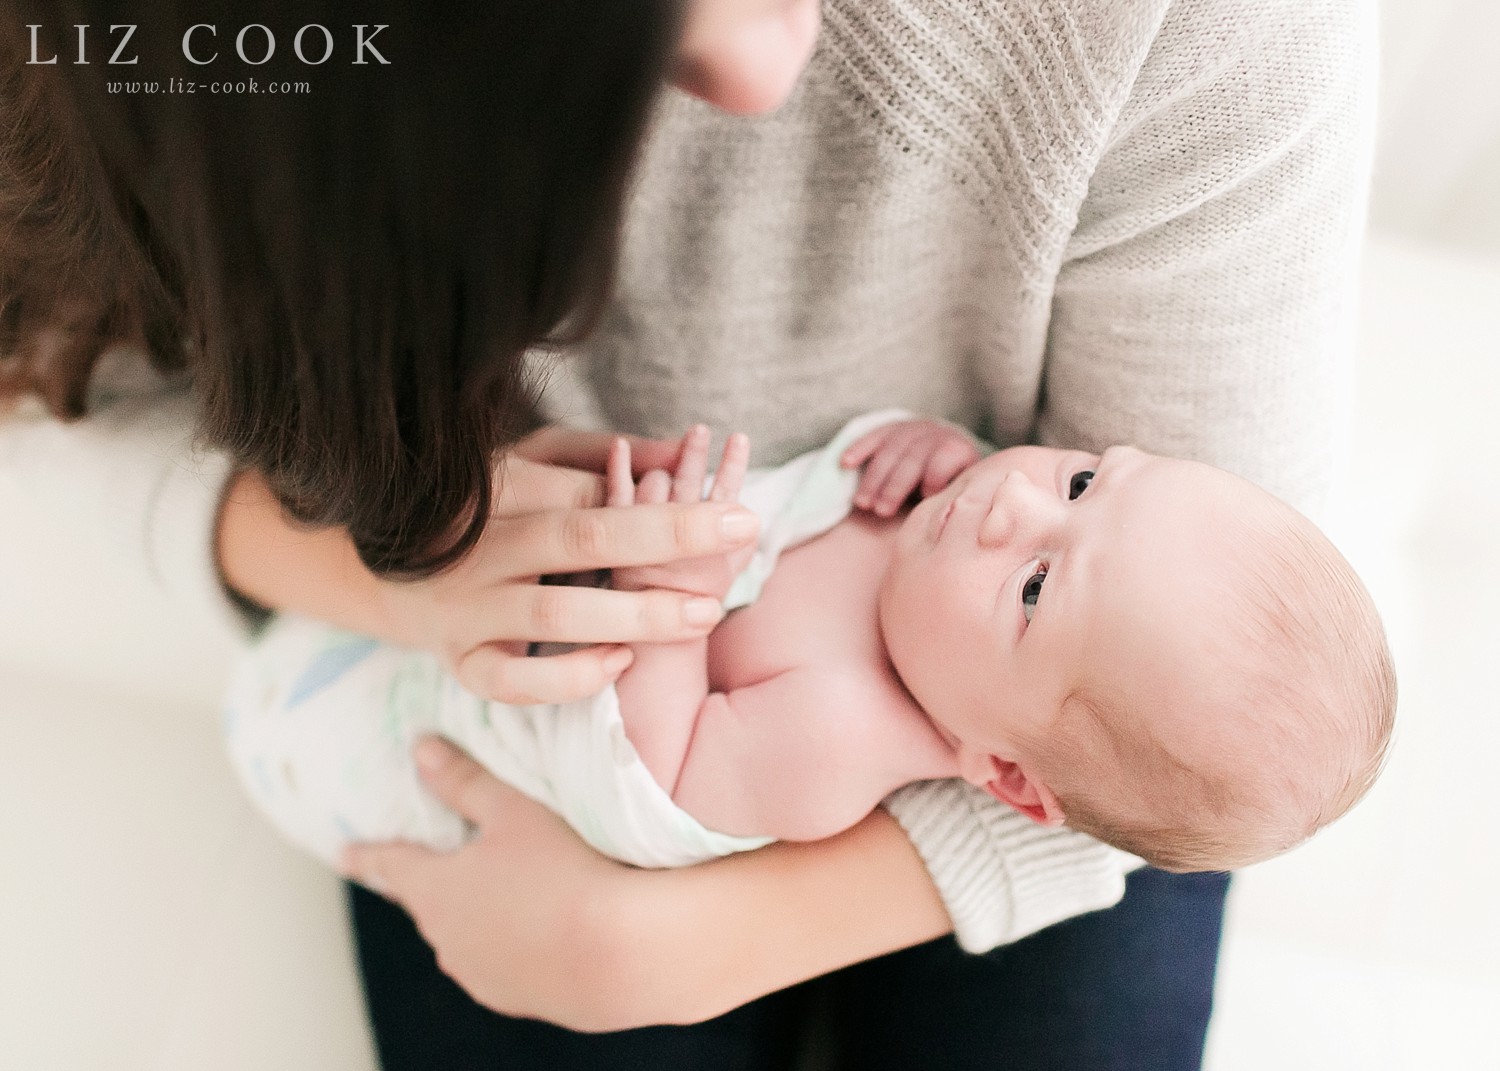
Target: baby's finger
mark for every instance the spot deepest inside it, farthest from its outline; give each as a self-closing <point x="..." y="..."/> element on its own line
<point x="692" y="467"/>
<point x="900" y="481"/>
<point x="619" y="486"/>
<point x="864" y="448"/>
<point x="490" y="673"/>
<point x="655" y="488"/>
<point x="948" y="461"/>
<point x="731" y="475"/>
<point x="879" y="468"/>
<point x="875" y="471"/>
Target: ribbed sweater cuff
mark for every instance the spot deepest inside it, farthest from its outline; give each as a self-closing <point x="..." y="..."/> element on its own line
<point x="1001" y="875"/>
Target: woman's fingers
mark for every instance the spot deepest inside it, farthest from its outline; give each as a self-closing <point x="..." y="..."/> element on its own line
<point x="400" y="871"/>
<point x="491" y="672"/>
<point x="395" y="871"/>
<point x="577" y="541"/>
<point x="561" y="614"/>
<point x="456" y="779"/>
<point x="525" y="916"/>
<point x="590" y="449"/>
<point x="524" y="486"/>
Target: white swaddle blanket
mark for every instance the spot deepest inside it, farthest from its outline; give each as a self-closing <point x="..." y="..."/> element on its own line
<point x="320" y="722"/>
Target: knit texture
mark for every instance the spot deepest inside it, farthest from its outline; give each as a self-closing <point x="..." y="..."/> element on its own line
<point x="1067" y="220"/>
<point x="1003" y="876"/>
<point x="1071" y="221"/>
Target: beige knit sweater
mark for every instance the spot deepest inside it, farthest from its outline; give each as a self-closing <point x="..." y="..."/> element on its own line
<point x="1080" y="221"/>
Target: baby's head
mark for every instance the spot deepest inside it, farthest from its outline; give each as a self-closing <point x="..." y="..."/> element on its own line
<point x="1154" y="651"/>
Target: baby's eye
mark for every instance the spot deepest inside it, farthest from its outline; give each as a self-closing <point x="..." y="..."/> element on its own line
<point x="1079" y="483"/>
<point x="1030" y="592"/>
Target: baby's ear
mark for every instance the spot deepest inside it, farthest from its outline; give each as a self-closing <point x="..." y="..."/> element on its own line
<point x="1014" y="786"/>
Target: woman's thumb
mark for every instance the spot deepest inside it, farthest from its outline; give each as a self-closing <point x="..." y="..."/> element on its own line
<point x="456" y="779"/>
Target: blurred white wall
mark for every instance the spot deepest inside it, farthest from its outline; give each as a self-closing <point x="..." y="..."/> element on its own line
<point x="1377" y="947"/>
<point x="1437" y="173"/>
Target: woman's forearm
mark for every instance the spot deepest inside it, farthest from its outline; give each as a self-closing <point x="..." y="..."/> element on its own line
<point x="532" y="922"/>
<point x="479" y="615"/>
<point x="275" y="563"/>
<point x="700" y="941"/>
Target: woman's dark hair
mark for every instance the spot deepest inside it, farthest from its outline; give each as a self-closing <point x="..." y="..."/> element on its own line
<point x="347" y="275"/>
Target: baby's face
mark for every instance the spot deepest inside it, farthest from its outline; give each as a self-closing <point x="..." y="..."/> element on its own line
<point x="1040" y="570"/>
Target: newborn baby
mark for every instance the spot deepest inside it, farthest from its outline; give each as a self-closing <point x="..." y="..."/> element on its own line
<point x="1153" y="651"/>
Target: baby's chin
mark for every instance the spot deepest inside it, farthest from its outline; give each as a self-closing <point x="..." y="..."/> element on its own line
<point x="911" y="537"/>
<point x="915" y="521"/>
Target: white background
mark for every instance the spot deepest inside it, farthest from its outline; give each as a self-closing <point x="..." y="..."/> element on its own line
<point x="1377" y="947"/>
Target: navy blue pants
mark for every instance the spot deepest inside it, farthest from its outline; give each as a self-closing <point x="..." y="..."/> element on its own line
<point x="1127" y="989"/>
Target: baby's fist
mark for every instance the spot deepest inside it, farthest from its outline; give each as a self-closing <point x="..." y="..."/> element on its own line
<point x="708" y="576"/>
<point x="899" y="458"/>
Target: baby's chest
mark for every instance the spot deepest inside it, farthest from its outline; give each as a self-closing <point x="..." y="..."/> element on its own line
<point x="817" y="608"/>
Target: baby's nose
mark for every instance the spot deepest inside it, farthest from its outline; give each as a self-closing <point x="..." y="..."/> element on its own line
<point x="1018" y="506"/>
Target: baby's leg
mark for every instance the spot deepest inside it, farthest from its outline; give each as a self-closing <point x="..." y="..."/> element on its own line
<point x="319" y="725"/>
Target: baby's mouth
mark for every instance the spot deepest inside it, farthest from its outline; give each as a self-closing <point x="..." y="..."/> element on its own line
<point x="942" y="520"/>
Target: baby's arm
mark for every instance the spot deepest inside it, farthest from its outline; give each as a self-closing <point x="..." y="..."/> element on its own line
<point x="663" y="690"/>
<point x="897" y="458"/>
<point x="793" y="757"/>
<point x="788" y="757"/>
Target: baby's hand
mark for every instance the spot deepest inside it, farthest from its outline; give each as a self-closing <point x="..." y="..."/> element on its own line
<point x="712" y="575"/>
<point x="899" y="457"/>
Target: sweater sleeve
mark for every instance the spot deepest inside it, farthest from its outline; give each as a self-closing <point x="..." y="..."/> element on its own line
<point x="1204" y="309"/>
<point x="1001" y="875"/>
<point x="1205" y="305"/>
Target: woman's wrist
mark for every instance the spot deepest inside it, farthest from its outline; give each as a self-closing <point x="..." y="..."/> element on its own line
<point x="267" y="560"/>
<point x="635" y="968"/>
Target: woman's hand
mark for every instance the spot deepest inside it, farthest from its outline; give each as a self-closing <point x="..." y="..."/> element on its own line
<point x="515" y="915"/>
<point x="532" y="922"/>
<point x="480" y="615"/>
<point x="711" y="576"/>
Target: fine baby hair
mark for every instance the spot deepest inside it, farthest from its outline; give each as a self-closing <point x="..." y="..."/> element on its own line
<point x="1291" y="677"/>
